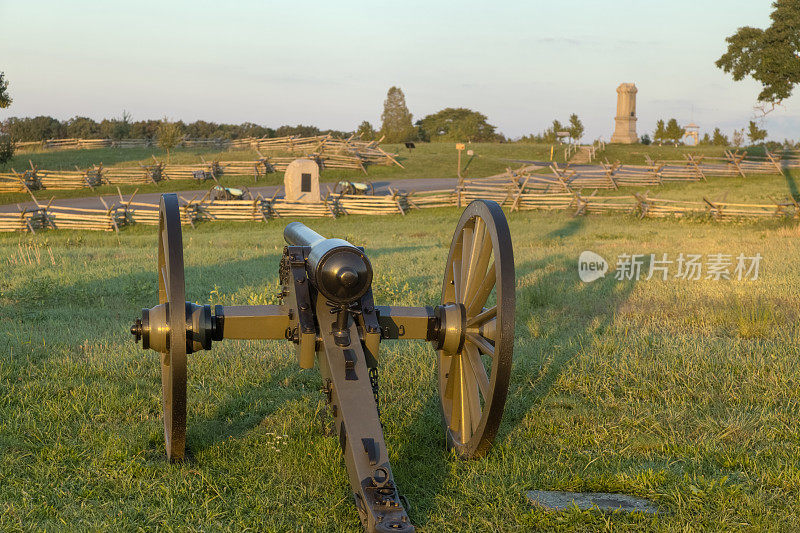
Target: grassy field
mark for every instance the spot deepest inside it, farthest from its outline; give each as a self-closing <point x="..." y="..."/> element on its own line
<point x="428" y="160"/>
<point x="684" y="392"/>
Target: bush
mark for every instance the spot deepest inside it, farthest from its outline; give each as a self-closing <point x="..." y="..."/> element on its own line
<point x="6" y="149"/>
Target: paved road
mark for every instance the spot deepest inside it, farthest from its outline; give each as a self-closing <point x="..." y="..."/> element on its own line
<point x="92" y="202"/>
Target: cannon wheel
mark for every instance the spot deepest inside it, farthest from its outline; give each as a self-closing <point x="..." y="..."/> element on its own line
<point x="473" y="382"/>
<point x="171" y="290"/>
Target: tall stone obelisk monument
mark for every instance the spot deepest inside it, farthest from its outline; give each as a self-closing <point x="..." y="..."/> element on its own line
<point x="625" y="130"/>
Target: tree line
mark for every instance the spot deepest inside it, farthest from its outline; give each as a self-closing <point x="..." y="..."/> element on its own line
<point x="39" y="128"/>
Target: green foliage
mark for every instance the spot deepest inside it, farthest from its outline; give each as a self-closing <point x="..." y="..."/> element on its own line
<point x="34" y="129"/>
<point x="660" y="135"/>
<point x="547" y="136"/>
<point x="396" y="125"/>
<point x="674" y="132"/>
<point x="738" y="137"/>
<point x="755" y="133"/>
<point x="6" y="149"/>
<point x="366" y="131"/>
<point x="705" y="140"/>
<point x="719" y="139"/>
<point x="645" y="140"/>
<point x="457" y="124"/>
<point x="169" y="134"/>
<point x="575" y="128"/>
<point x="5" y="98"/>
<point x="117" y="128"/>
<point x="768" y="56"/>
<point x="303" y="131"/>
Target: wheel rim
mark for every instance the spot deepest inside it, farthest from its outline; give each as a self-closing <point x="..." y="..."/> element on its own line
<point x="171" y="291"/>
<point x="473" y="381"/>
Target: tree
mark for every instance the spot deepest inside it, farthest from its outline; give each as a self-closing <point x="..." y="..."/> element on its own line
<point x="456" y="124"/>
<point x="6" y="149"/>
<point x="738" y="137"/>
<point x="303" y="131"/>
<point x="719" y="139"/>
<point x="674" y="132"/>
<point x="116" y="128"/>
<point x="82" y="128"/>
<point x="366" y="131"/>
<point x="706" y="140"/>
<point x="768" y="56"/>
<point x="660" y="135"/>
<point x="575" y="127"/>
<point x="645" y="140"/>
<point x="755" y="133"/>
<point x="169" y="134"/>
<point x="396" y="123"/>
<point x="5" y="98"/>
<point x="6" y="141"/>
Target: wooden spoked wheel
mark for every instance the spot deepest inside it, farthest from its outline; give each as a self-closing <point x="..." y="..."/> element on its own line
<point x="479" y="284"/>
<point x="171" y="291"/>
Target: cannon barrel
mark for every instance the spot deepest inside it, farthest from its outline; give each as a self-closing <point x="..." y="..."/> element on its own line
<point x="339" y="270"/>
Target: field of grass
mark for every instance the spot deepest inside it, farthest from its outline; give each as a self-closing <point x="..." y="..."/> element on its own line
<point x="428" y="160"/>
<point x="684" y="392"/>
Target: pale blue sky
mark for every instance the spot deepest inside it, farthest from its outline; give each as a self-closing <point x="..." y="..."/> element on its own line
<point x="331" y="63"/>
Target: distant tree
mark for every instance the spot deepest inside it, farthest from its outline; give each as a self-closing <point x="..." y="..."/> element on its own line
<point x="575" y="127"/>
<point x="6" y="149"/>
<point x="34" y="129"/>
<point x="645" y="140"/>
<point x="738" y="137"/>
<point x="82" y="127"/>
<point x="396" y="125"/>
<point x="457" y="124"/>
<point x="366" y="131"/>
<point x="117" y="128"/>
<point x="303" y="131"/>
<point x="145" y="129"/>
<point x="5" y="98"/>
<point x="768" y="56"/>
<point x="674" y="132"/>
<point x="169" y="134"/>
<point x="755" y="133"/>
<point x="719" y="139"/>
<point x="660" y="135"/>
<point x="705" y="140"/>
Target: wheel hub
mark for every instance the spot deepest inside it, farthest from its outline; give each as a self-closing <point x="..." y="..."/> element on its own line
<point x="452" y="327"/>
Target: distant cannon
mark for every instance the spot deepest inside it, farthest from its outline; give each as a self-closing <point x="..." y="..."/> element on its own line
<point x="328" y="312"/>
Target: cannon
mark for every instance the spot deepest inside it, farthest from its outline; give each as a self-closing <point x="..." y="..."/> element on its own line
<point x="327" y="311"/>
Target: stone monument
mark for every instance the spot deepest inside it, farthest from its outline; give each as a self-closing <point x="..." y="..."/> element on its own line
<point x="301" y="181"/>
<point x="625" y="130"/>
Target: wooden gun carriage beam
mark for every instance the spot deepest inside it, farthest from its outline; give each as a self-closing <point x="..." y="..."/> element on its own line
<point x="328" y="313"/>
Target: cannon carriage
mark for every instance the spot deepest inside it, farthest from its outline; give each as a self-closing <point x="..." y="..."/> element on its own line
<point x="327" y="311"/>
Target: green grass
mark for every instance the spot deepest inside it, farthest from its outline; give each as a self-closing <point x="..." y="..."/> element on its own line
<point x="756" y="188"/>
<point x="682" y="392"/>
<point x="428" y="160"/>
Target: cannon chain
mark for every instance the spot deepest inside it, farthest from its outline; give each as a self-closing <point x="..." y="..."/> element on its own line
<point x="327" y="311"/>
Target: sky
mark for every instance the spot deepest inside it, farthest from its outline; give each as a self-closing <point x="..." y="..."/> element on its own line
<point x="330" y="63"/>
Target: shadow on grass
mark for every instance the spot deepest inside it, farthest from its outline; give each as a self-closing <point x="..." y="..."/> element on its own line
<point x="790" y="180"/>
<point x="556" y="318"/>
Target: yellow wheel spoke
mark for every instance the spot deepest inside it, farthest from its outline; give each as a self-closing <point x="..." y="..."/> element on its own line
<point x="478" y="370"/>
<point x="484" y="345"/>
<point x="482" y="294"/>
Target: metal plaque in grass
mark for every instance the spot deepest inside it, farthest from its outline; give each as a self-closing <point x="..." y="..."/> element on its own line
<point x="603" y="501"/>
